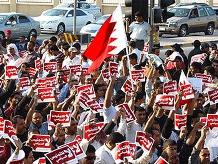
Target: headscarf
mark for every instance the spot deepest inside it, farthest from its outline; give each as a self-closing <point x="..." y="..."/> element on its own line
<point x="12" y="45"/>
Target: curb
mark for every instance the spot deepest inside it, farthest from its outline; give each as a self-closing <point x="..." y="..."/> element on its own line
<point x="185" y="44"/>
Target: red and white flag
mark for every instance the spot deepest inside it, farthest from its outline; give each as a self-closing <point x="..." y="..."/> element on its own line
<point x="170" y="87"/>
<point x="11" y="72"/>
<point x="50" y="67"/>
<point x="41" y="143"/>
<point x="46" y="95"/>
<point x="62" y="155"/>
<point x="92" y="129"/>
<point x="144" y="140"/>
<point x="161" y="160"/>
<point x="180" y="121"/>
<point x="130" y="116"/>
<point x="166" y="102"/>
<point x="213" y="96"/>
<point x="88" y="89"/>
<point x="212" y="120"/>
<point x="110" y="40"/>
<point x="62" y="117"/>
<point x="138" y="75"/>
<point x="185" y="87"/>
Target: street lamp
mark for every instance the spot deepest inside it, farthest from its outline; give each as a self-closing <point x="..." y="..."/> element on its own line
<point x="74" y="17"/>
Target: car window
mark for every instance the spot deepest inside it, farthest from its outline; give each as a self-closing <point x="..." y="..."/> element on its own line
<point x="202" y="12"/>
<point x="210" y="11"/>
<point x="55" y="12"/>
<point x="2" y="18"/>
<point x="11" y="20"/>
<point x="80" y="13"/>
<point x="85" y="5"/>
<point x="70" y="14"/>
<point x="194" y="13"/>
<point x="23" y="19"/>
<point x="180" y="12"/>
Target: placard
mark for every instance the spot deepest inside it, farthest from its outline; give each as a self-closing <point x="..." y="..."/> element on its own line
<point x="41" y="143"/>
<point x="166" y="102"/>
<point x="46" y="95"/>
<point x="130" y="116"/>
<point x="62" y="117"/>
<point x="11" y="72"/>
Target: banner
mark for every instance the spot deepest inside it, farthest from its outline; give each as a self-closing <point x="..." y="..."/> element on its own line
<point x="46" y="95"/>
<point x="62" y="117"/>
<point x="138" y="75"/>
<point x="144" y="140"/>
<point x="113" y="69"/>
<point x="38" y="64"/>
<point x="127" y="87"/>
<point x="170" y="87"/>
<point x="41" y="143"/>
<point x="212" y="120"/>
<point x="62" y="155"/>
<point x="50" y="67"/>
<point x="166" y="102"/>
<point x="11" y="72"/>
<point x="213" y="96"/>
<point x="180" y="121"/>
<point x="90" y="130"/>
<point x="77" y="150"/>
<point x="8" y="128"/>
<point x="24" y="82"/>
<point x="76" y="70"/>
<point x="94" y="106"/>
<point x="130" y="116"/>
<point x="206" y="79"/>
<point x="88" y="89"/>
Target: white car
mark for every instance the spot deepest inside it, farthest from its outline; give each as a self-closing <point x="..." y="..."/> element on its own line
<point x="93" y="28"/>
<point x="58" y="20"/>
<point x="90" y="8"/>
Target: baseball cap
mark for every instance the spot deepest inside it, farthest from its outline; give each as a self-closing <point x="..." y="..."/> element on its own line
<point x="73" y="49"/>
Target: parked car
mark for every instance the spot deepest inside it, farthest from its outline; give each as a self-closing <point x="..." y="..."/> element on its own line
<point x="88" y="7"/>
<point x="61" y="20"/>
<point x="19" y="24"/>
<point x="190" y="19"/>
<point x="93" y="28"/>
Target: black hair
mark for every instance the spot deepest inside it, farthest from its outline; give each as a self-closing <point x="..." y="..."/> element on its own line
<point x="77" y="45"/>
<point x="116" y="137"/>
<point x="65" y="46"/>
<point x="90" y="149"/>
<point x="168" y="52"/>
<point x="97" y="86"/>
<point x="32" y="42"/>
<point x="53" y="48"/>
<point x="197" y="43"/>
<point x="197" y="65"/>
<point x="53" y="39"/>
<point x="132" y="44"/>
<point x="133" y="56"/>
<point x="139" y="14"/>
<point x="210" y="70"/>
<point x="139" y="95"/>
<point x="139" y="109"/>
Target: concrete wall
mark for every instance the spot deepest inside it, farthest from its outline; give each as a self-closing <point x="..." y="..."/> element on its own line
<point x="35" y="7"/>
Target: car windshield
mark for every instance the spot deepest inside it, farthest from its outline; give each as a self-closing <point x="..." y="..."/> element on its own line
<point x="2" y="18"/>
<point x="55" y="12"/>
<point x="180" y="12"/>
<point x="101" y="20"/>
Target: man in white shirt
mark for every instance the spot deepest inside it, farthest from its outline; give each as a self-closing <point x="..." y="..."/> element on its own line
<point x="104" y="153"/>
<point x="140" y="31"/>
<point x="72" y="59"/>
<point x="134" y="49"/>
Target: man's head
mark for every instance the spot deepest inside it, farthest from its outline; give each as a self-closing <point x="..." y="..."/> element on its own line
<point x="133" y="59"/>
<point x="37" y="118"/>
<point x="53" y="40"/>
<point x="215" y="65"/>
<point x="113" y="139"/>
<point x="90" y="155"/>
<point x="72" y="52"/>
<point x="140" y="114"/>
<point x="53" y="50"/>
<point x="33" y="37"/>
<point x="19" y="124"/>
<point x="197" y="44"/>
<point x="205" y="47"/>
<point x="31" y="46"/>
<point x="28" y="159"/>
<point x="139" y="98"/>
<point x="195" y="68"/>
<point x="170" y="147"/>
<point x="204" y="156"/>
<point x="99" y="90"/>
<point x="139" y="16"/>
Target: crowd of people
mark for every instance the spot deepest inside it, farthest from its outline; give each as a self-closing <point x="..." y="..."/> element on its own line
<point x="194" y="142"/>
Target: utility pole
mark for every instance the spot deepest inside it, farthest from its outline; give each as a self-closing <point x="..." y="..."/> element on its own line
<point x="74" y="17"/>
<point x="151" y="11"/>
